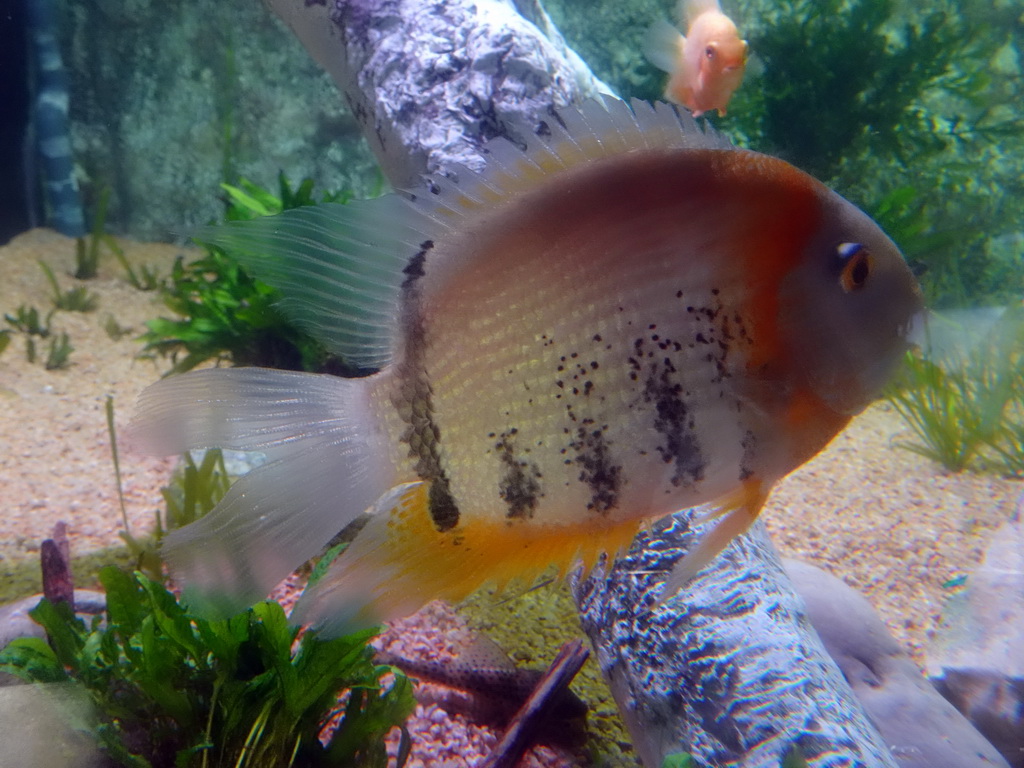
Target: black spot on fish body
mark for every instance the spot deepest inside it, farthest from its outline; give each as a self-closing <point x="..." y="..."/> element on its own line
<point x="597" y="468"/>
<point x="443" y="510"/>
<point x="519" y="487"/>
<point x="675" y="424"/>
<point x="414" y="269"/>
<point x="414" y="400"/>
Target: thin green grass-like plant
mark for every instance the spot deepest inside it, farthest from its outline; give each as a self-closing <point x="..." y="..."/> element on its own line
<point x="87" y="249"/>
<point x="72" y="300"/>
<point x="965" y="408"/>
<point x="936" y="405"/>
<point x="58" y="355"/>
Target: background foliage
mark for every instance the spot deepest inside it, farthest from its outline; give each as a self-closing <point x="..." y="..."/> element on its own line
<point x="912" y="111"/>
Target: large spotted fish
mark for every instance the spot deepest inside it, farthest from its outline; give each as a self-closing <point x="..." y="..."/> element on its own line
<point x="625" y="318"/>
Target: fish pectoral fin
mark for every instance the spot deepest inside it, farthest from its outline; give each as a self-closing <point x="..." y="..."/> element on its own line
<point x="738" y="511"/>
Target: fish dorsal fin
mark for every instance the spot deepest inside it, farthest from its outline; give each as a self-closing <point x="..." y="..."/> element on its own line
<point x="600" y="129"/>
<point x="340" y="268"/>
<point x="689" y="10"/>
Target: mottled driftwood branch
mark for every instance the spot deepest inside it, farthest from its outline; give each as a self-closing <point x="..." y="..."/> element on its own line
<point x="536" y="711"/>
<point x="730" y="669"/>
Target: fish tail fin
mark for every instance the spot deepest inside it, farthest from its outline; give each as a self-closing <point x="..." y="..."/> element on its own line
<point x="663" y="45"/>
<point x="738" y="511"/>
<point x="327" y="461"/>
<point x="400" y="561"/>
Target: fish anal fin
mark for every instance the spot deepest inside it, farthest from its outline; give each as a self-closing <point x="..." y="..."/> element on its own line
<point x="400" y="561"/>
<point x="738" y="511"/>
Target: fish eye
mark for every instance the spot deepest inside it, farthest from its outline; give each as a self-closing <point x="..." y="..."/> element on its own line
<point x="856" y="266"/>
<point x="710" y="51"/>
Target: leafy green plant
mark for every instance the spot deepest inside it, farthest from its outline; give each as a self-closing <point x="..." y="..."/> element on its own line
<point x="964" y="403"/>
<point x="173" y="689"/>
<point x="250" y="201"/>
<point x="5" y="340"/>
<point x="227" y="315"/>
<point x="26" y="320"/>
<point x="72" y="300"/>
<point x="904" y="110"/>
<point x="58" y="355"/>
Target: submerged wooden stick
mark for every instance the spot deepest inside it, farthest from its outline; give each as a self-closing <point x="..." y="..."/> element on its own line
<point x="530" y="719"/>
<point x="55" y="562"/>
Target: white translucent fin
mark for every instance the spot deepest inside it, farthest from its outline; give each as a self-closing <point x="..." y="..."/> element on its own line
<point x="691" y="9"/>
<point x="328" y="463"/>
<point x="368" y="583"/>
<point x="663" y="45"/>
<point x="738" y="511"/>
<point x="339" y="266"/>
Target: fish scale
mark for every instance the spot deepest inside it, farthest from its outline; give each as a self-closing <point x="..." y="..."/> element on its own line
<point x="622" y="318"/>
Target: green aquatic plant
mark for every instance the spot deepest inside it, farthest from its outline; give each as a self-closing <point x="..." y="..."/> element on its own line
<point x="26" y="320"/>
<point x="193" y="491"/>
<point x="174" y="689"/>
<point x="247" y="200"/>
<point x="72" y="300"/>
<point x="912" y="112"/>
<point x="835" y="76"/>
<point x="225" y="314"/>
<point x="967" y="408"/>
<point x="114" y="329"/>
<point x="58" y="354"/>
<point x="146" y="279"/>
<point x="87" y="249"/>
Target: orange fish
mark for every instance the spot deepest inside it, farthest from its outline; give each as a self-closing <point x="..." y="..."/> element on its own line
<point x="626" y="318"/>
<point x="706" y="65"/>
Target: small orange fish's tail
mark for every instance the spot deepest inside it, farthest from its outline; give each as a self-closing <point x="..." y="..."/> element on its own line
<point x="400" y="561"/>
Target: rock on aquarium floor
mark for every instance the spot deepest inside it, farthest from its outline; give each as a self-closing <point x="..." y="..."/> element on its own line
<point x="888" y="522"/>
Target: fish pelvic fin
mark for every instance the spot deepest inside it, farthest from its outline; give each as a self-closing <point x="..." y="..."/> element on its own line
<point x="400" y="561"/>
<point x="326" y="463"/>
<point x="738" y="511"/>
